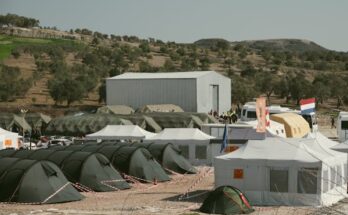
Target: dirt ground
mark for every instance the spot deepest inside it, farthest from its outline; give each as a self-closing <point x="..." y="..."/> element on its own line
<point x="163" y="198"/>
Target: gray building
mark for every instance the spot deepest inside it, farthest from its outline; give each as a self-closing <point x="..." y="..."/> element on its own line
<point x="192" y="91"/>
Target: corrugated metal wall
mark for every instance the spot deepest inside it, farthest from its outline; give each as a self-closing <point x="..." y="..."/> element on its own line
<point x="139" y="92"/>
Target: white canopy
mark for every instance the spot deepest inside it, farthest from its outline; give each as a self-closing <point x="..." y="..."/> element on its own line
<point x="181" y="134"/>
<point x="285" y="171"/>
<point x="8" y="139"/>
<point x="119" y="132"/>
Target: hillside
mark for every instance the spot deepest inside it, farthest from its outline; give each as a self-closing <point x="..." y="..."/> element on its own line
<point x="63" y="70"/>
<point x="285" y="45"/>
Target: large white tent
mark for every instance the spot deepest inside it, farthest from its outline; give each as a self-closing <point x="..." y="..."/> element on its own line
<point x="121" y="132"/>
<point x="341" y="147"/>
<point x="280" y="171"/>
<point x="8" y="139"/>
<point x="193" y="143"/>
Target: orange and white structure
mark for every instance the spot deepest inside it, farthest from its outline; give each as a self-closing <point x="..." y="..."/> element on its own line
<point x="8" y="139"/>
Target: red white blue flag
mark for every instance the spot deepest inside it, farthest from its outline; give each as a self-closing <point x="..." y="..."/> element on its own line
<point x="307" y="106"/>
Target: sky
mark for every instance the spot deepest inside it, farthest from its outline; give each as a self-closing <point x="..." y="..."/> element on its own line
<point x="185" y="21"/>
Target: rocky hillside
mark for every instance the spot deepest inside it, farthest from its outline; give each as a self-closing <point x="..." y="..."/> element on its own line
<point x="69" y="68"/>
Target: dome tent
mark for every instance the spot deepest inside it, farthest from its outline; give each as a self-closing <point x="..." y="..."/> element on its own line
<point x="29" y="181"/>
<point x="92" y="170"/>
<point x="226" y="200"/>
<point x="134" y="161"/>
<point x="168" y="156"/>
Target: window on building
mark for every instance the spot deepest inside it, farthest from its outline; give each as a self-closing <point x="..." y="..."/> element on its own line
<point x="307" y="180"/>
<point x="201" y="152"/>
<point x="251" y="115"/>
<point x="214" y="132"/>
<point x="344" y="125"/>
<point x="279" y="180"/>
<point x="184" y="151"/>
<point x="243" y="113"/>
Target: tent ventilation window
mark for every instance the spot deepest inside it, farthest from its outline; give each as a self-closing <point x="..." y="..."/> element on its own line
<point x="345" y="173"/>
<point x="184" y="151"/>
<point x="307" y="180"/>
<point x="333" y="178"/>
<point x="339" y="176"/>
<point x="48" y="170"/>
<point x="201" y="152"/>
<point x="326" y="181"/>
<point x="279" y="180"/>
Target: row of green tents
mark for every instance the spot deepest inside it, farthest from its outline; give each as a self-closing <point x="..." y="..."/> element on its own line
<point x="153" y="122"/>
<point x="88" y="169"/>
<point x="85" y="123"/>
<point x="94" y="167"/>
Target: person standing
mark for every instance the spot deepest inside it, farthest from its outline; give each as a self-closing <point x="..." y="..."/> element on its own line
<point x="333" y="122"/>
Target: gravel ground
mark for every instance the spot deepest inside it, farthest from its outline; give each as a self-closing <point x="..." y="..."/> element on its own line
<point x="162" y="198"/>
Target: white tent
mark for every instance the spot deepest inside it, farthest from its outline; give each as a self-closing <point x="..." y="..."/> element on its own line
<point x="121" y="132"/>
<point x="8" y="139"/>
<point x="341" y="147"/>
<point x="279" y="171"/>
<point x="193" y="143"/>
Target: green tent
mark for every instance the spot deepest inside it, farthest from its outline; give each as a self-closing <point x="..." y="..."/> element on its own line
<point x="133" y="161"/>
<point x="30" y="181"/>
<point x="145" y="122"/>
<point x="226" y="200"/>
<point x="168" y="156"/>
<point x="92" y="170"/>
<point x="13" y="122"/>
<point x="116" y="109"/>
<point x="173" y="120"/>
<point x="83" y="124"/>
<point x="37" y="121"/>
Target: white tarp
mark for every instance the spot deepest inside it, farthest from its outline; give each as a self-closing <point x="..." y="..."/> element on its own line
<point x="274" y="128"/>
<point x="193" y="143"/>
<point x="279" y="171"/>
<point x="8" y="139"/>
<point x="181" y="134"/>
<point x="121" y="132"/>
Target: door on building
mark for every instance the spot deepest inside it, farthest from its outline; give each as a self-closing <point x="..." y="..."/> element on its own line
<point x="215" y="97"/>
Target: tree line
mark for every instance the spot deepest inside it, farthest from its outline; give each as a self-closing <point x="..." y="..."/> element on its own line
<point x="18" y="21"/>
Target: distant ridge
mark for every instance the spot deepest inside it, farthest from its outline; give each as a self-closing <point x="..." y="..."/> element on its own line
<point x="291" y="45"/>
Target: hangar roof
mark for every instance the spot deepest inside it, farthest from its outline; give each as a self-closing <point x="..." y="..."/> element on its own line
<point x="164" y="75"/>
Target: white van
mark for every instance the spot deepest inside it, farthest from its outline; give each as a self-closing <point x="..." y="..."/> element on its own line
<point x="249" y="111"/>
<point x="342" y="126"/>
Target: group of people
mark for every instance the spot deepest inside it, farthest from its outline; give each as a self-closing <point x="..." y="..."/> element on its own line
<point x="226" y="117"/>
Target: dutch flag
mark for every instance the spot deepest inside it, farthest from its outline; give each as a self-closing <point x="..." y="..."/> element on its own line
<point x="307" y="105"/>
